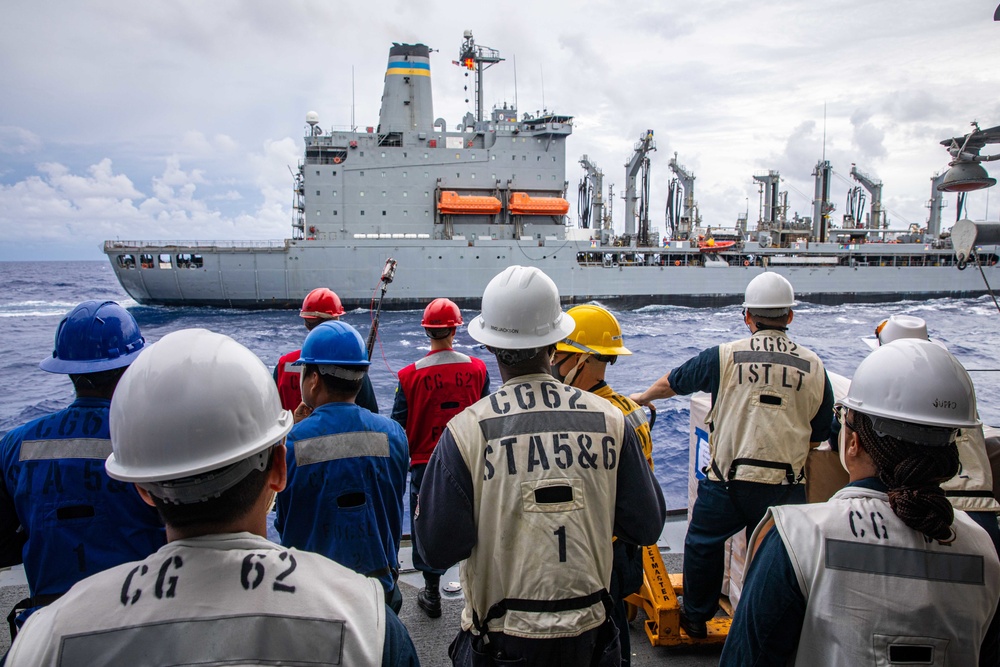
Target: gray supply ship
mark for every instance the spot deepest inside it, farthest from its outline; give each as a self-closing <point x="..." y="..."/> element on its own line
<point x="455" y="207"/>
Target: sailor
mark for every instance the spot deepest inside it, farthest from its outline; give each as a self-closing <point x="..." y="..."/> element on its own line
<point x="320" y="305"/>
<point x="884" y="572"/>
<point x="430" y="392"/>
<point x="528" y="486"/>
<point x="60" y="514"/>
<point x="197" y="425"/>
<point x="346" y="465"/>
<point x="581" y="360"/>
<point x="971" y="490"/>
<point x="771" y="402"/>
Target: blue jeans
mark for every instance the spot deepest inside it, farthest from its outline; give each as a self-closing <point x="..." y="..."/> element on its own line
<point x="416" y="477"/>
<point x="721" y="510"/>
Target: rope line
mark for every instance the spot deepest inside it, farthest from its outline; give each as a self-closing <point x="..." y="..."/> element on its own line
<point x="987" y="282"/>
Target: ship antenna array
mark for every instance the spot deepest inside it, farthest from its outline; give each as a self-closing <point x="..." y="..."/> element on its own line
<point x="477" y="58"/>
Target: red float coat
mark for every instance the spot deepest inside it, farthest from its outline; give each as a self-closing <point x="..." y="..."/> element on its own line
<point x="433" y="390"/>
<point x="287" y="376"/>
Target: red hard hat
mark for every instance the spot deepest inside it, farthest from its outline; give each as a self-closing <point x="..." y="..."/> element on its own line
<point x="322" y="303"/>
<point x="441" y="314"/>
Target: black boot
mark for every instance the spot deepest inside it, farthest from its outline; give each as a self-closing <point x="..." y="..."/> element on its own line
<point x="429" y="598"/>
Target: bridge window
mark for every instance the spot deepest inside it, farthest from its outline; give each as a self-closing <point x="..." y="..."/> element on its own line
<point x="146" y="261"/>
<point x="188" y="261"/>
<point x="126" y="261"/>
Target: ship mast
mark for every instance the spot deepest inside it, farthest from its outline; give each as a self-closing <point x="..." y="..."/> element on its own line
<point x="477" y="58"/>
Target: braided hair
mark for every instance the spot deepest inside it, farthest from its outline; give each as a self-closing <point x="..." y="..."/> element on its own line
<point x="913" y="474"/>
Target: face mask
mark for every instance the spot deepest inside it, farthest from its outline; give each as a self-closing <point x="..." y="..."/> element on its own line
<point x="569" y="377"/>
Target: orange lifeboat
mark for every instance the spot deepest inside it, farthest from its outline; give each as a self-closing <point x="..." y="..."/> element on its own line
<point x="454" y="204"/>
<point x="711" y="245"/>
<point x="522" y="204"/>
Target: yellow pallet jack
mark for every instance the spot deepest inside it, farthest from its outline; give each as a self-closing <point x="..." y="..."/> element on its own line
<point x="658" y="599"/>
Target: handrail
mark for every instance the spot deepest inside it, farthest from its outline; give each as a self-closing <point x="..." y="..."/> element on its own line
<point x="128" y="245"/>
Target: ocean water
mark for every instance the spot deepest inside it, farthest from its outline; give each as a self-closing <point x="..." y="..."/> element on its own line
<point x="35" y="296"/>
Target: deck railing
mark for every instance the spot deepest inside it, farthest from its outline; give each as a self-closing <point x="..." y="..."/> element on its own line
<point x="110" y="246"/>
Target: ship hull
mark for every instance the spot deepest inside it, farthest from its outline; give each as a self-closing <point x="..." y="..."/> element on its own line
<point x="279" y="275"/>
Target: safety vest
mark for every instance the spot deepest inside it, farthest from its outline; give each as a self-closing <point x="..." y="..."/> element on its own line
<point x="437" y="388"/>
<point x="289" y="377"/>
<point x="543" y="459"/>
<point x="770" y="389"/>
<point x="78" y="521"/>
<point x="634" y="415"/>
<point x="972" y="488"/>
<point x="878" y="592"/>
<point x="219" y="599"/>
<point x="344" y="496"/>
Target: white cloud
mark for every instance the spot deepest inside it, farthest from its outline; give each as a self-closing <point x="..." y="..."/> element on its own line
<point x="54" y="209"/>
<point x="18" y="141"/>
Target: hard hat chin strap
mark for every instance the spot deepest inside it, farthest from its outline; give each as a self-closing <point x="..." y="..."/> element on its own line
<point x="199" y="488"/>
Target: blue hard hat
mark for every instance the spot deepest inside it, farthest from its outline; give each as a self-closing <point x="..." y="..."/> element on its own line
<point x="334" y="343"/>
<point x="95" y="336"/>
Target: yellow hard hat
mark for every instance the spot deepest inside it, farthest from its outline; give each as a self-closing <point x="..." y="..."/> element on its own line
<point x="597" y="332"/>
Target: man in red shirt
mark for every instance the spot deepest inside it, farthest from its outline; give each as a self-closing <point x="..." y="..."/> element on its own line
<point x="431" y="391"/>
<point x="320" y="305"/>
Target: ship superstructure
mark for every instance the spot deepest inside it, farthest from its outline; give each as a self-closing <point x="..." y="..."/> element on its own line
<point x="456" y="206"/>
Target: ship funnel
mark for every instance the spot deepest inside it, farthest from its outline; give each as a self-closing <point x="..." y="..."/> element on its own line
<point x="966" y="177"/>
<point x="406" y="98"/>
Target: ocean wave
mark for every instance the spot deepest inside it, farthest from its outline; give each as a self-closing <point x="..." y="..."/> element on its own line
<point x="35" y="308"/>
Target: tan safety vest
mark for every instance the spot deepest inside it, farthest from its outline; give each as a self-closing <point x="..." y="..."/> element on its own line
<point x="759" y="428"/>
<point x="543" y="458"/>
<point x="635" y="416"/>
<point x="878" y="592"/>
<point x="972" y="488"/>
<point x="219" y="599"/>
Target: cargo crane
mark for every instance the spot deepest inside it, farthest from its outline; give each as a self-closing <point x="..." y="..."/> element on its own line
<point x="686" y="217"/>
<point x="936" y="204"/>
<point x="591" y="194"/>
<point x="855" y="207"/>
<point x="770" y="217"/>
<point x="476" y="58"/>
<point x="590" y="206"/>
<point x="638" y="163"/>
<point x="822" y="206"/>
<point x="876" y="220"/>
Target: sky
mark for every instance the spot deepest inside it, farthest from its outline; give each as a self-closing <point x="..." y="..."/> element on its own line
<point x="182" y="120"/>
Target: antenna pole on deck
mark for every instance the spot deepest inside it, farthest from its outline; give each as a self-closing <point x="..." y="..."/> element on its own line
<point x="388" y="273"/>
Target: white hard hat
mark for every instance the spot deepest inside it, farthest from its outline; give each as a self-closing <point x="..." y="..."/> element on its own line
<point x="194" y="402"/>
<point x="770" y="291"/>
<point x="897" y="327"/>
<point x="521" y="311"/>
<point x="910" y="385"/>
